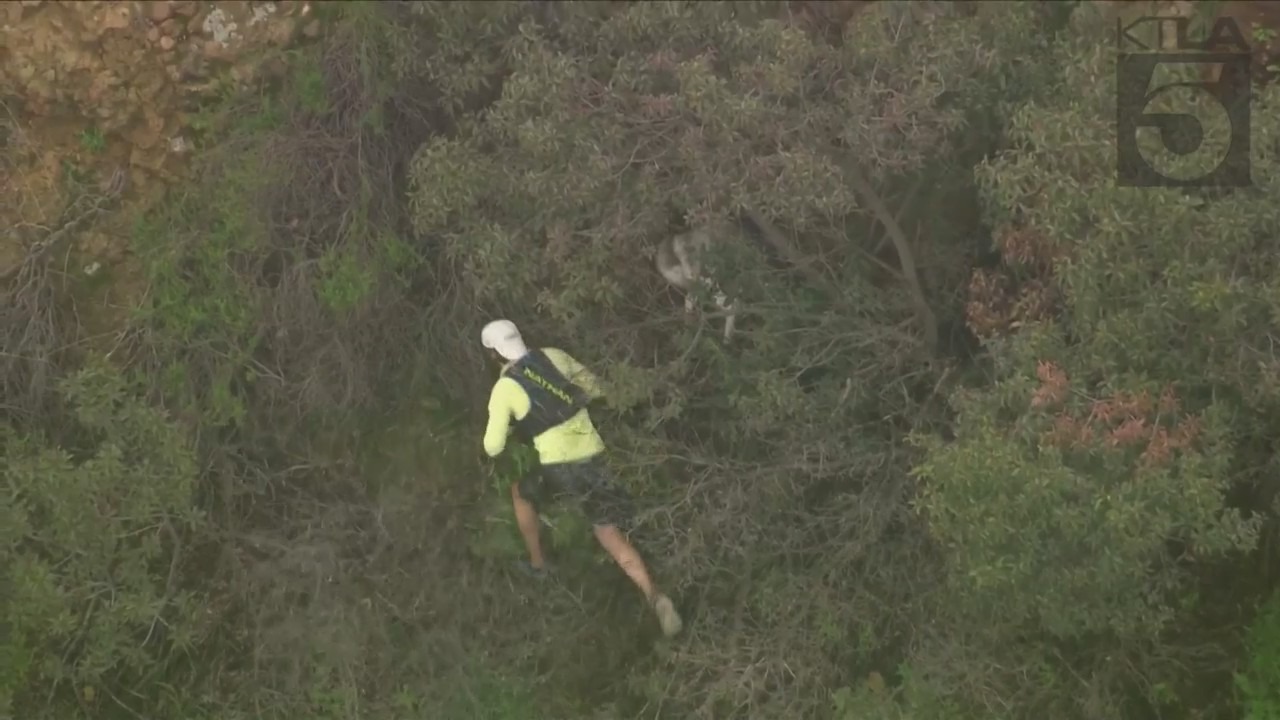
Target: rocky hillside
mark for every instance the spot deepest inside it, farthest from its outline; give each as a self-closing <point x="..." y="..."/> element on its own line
<point x="99" y="111"/>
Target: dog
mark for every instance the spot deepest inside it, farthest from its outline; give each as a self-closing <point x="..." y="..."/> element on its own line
<point x="679" y="260"/>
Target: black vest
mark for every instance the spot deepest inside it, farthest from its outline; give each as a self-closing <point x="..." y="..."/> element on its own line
<point x="553" y="399"/>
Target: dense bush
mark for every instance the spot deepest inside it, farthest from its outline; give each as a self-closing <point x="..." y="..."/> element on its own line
<point x="1260" y="683"/>
<point x="94" y="539"/>
<point x="618" y="128"/>
<point x="861" y="514"/>
<point x="1088" y="488"/>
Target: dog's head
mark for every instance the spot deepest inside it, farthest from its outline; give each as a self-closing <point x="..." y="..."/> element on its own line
<point x="671" y="265"/>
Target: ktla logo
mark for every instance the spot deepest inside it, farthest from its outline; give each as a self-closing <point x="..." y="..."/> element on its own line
<point x="1202" y="126"/>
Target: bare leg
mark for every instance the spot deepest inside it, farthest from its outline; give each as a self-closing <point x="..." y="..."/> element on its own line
<point x="527" y="520"/>
<point x="730" y="309"/>
<point x="624" y="553"/>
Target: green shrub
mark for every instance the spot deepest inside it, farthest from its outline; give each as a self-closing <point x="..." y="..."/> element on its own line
<point x="92" y="536"/>
<point x="1260" y="683"/>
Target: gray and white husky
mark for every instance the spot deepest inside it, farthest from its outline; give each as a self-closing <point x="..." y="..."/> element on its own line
<point x="679" y="259"/>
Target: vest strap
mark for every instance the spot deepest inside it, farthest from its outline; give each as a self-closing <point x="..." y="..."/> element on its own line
<point x="553" y="399"/>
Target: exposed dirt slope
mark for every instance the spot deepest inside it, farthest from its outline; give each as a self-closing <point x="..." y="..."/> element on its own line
<point x="96" y="99"/>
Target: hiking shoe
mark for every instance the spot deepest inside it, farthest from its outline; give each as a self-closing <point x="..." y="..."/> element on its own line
<point x="527" y="568"/>
<point x="667" y="615"/>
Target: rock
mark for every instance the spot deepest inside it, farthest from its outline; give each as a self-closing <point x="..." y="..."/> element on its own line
<point x="219" y="25"/>
<point x="160" y="11"/>
<point x="99" y="244"/>
<point x="142" y="138"/>
<point x="262" y="12"/>
<point x="152" y="161"/>
<point x="218" y="52"/>
<point x="191" y="66"/>
<point x="236" y="8"/>
<point x="127" y="69"/>
<point x="117" y="17"/>
<point x="282" y="33"/>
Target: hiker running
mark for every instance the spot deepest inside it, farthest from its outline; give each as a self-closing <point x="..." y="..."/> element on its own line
<point x="545" y="392"/>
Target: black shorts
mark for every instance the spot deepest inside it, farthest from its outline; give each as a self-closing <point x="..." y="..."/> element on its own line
<point x="588" y="482"/>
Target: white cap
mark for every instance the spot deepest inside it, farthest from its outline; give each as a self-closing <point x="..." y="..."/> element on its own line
<point x="504" y="337"/>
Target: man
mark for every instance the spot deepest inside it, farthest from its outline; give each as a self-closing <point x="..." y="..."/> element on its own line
<point x="545" y="392"/>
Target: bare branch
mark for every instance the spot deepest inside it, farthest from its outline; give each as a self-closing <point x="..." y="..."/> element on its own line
<point x="928" y="321"/>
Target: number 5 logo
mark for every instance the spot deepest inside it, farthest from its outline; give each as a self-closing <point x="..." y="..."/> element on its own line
<point x="1205" y="143"/>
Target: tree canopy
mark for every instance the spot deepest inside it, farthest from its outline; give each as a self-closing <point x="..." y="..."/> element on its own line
<point x="994" y="439"/>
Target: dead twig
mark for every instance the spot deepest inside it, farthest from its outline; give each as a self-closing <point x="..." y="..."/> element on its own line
<point x="775" y="239"/>
<point x="928" y="321"/>
<point x="43" y="247"/>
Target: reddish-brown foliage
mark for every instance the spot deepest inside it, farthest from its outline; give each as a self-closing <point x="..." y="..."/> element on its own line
<point x="1053" y="385"/>
<point x="997" y="302"/>
<point x="989" y="307"/>
<point x="1122" y="420"/>
<point x="1027" y="247"/>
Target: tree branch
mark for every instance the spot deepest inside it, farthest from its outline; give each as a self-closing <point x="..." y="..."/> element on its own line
<point x="775" y="239"/>
<point x="928" y="322"/>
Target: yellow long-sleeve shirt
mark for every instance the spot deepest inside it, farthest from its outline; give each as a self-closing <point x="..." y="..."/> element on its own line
<point x="570" y="441"/>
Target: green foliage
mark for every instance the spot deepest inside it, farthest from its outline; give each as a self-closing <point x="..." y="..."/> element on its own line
<point x="400" y="259"/>
<point x="345" y="280"/>
<point x="466" y="59"/>
<point x="73" y="175"/>
<point x="911" y="700"/>
<point x="611" y="122"/>
<point x="265" y="247"/>
<point x="92" y="536"/>
<point x="198" y="299"/>
<point x="1119" y="422"/>
<point x="93" y="140"/>
<point x="309" y="88"/>
<point x="557" y="148"/>
<point x="485" y="695"/>
<point x="1065" y="506"/>
<point x="1260" y="683"/>
<point x="1070" y="542"/>
<point x="621" y="124"/>
<point x="497" y="536"/>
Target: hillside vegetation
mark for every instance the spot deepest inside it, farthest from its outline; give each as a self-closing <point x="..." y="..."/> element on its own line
<point x="995" y="438"/>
